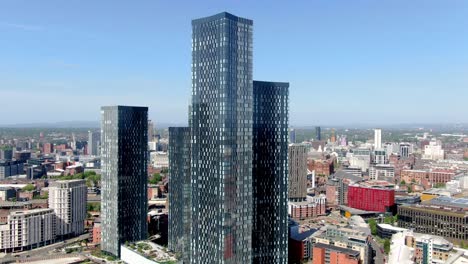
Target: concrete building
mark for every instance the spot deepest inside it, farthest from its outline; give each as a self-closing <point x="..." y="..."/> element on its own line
<point x="68" y="199"/>
<point x="360" y="158"/>
<point x="27" y="229"/>
<point x="446" y="218"/>
<point x="405" y="150"/>
<point x="346" y="238"/>
<point x="380" y="157"/>
<point x="6" y="154"/>
<point x="150" y="131"/>
<point x="7" y="193"/>
<point x="433" y="151"/>
<point x="94" y="143"/>
<point x="297" y="172"/>
<point x="377" y="138"/>
<point x="124" y="154"/>
<point x="383" y="172"/>
<point x="270" y="172"/>
<point x="410" y="247"/>
<point x="10" y="168"/>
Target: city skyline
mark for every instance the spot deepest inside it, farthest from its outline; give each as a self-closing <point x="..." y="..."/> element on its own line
<point x="346" y="62"/>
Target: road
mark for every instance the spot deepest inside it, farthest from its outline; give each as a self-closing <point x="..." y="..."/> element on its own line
<point x="42" y="251"/>
<point x="380" y="256"/>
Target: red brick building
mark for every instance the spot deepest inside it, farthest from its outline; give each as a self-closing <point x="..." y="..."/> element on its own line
<point x="97" y="233"/>
<point x="371" y="199"/>
<point x="307" y="209"/>
<point x="330" y="254"/>
<point x="321" y="167"/>
<point x="432" y="177"/>
<point x="47" y="148"/>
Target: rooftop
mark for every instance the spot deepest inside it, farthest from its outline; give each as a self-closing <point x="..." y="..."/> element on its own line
<point x="338" y="249"/>
<point x="303" y="235"/>
<point x="449" y="201"/>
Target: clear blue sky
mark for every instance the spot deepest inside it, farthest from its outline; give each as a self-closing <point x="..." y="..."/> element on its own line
<point x="347" y="62"/>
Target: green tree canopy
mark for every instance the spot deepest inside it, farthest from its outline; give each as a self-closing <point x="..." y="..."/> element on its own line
<point x="29" y="187"/>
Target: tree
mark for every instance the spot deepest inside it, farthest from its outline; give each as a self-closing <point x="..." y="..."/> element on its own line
<point x="409" y="189"/>
<point x="402" y="182"/>
<point x="373" y="226"/>
<point x="156" y="178"/>
<point x="29" y="187"/>
<point x="387" y="246"/>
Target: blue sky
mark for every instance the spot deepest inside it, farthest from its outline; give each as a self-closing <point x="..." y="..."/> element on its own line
<point x="378" y="62"/>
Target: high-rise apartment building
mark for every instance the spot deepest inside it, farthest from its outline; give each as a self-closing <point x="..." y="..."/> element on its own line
<point x="221" y="121"/>
<point x="27" y="229"/>
<point x="68" y="199"/>
<point x="124" y="157"/>
<point x="297" y="172"/>
<point x="94" y="140"/>
<point x="180" y="195"/>
<point x="292" y="135"/>
<point x="377" y="138"/>
<point x="270" y="172"/>
<point x="150" y="130"/>
<point x="318" y="133"/>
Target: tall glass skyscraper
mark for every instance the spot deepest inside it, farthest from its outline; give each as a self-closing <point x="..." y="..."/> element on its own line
<point x="222" y="139"/>
<point x="180" y="194"/>
<point x="124" y="154"/>
<point x="270" y="172"/>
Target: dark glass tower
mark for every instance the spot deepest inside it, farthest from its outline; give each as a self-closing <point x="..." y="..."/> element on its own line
<point x="180" y="195"/>
<point x="270" y="172"/>
<point x="318" y="133"/>
<point x="124" y="143"/>
<point x="222" y="139"/>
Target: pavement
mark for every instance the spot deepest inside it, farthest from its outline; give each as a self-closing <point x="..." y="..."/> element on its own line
<point x="380" y="256"/>
<point x="41" y="251"/>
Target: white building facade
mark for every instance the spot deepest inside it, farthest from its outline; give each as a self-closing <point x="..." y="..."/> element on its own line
<point x="28" y="229"/>
<point x="68" y="200"/>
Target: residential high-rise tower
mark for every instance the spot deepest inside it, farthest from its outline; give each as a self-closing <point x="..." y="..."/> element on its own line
<point x="297" y="172"/>
<point x="124" y="157"/>
<point x="270" y="172"/>
<point x="221" y="121"/>
<point x="68" y="199"/>
<point x="94" y="139"/>
<point x="180" y="195"/>
<point x="377" y="138"/>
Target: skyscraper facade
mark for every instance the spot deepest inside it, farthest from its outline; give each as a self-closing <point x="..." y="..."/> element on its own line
<point x="377" y="138"/>
<point x="297" y="172"/>
<point x="318" y="133"/>
<point x="180" y="195"/>
<point x="270" y="172"/>
<point x="124" y="175"/>
<point x="221" y="118"/>
<point x="292" y="134"/>
<point x="94" y="139"/>
<point x="150" y="130"/>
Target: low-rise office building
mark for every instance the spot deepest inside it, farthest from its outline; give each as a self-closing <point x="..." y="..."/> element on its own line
<point x="447" y="219"/>
<point x="11" y="168"/>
